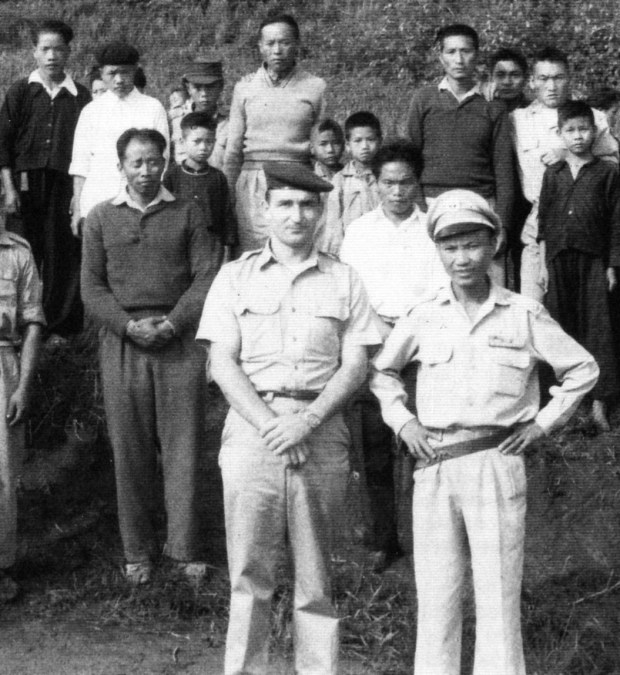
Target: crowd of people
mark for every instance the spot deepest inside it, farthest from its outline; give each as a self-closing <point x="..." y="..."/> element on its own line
<point x="246" y="250"/>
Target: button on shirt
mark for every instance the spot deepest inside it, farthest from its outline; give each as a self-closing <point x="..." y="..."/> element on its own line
<point x="398" y="264"/>
<point x="292" y="324"/>
<point x="535" y="133"/>
<point x="94" y="149"/>
<point x="20" y="288"/>
<point x="480" y="373"/>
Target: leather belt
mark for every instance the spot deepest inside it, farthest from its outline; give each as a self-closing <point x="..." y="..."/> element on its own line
<point x="463" y="448"/>
<point x="299" y="395"/>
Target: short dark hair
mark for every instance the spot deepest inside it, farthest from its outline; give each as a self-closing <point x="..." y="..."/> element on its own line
<point x="572" y="109"/>
<point x="551" y="55"/>
<point x="143" y="136"/>
<point x="508" y="54"/>
<point x="394" y="150"/>
<point x="362" y="118"/>
<point x="289" y="20"/>
<point x="178" y="89"/>
<point x="139" y="78"/>
<point x="51" y="26"/>
<point x="330" y="125"/>
<point x="604" y="98"/>
<point x="198" y="119"/>
<point x="457" y="29"/>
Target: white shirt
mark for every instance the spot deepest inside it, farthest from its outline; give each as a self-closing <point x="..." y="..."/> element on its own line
<point x="444" y="85"/>
<point x="536" y="133"/>
<point x="101" y="122"/>
<point x="123" y="197"/>
<point x="398" y="264"/>
<point x="67" y="83"/>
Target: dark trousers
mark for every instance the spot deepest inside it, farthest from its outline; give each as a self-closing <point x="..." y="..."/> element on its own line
<point x="578" y="300"/>
<point x="155" y="400"/>
<point x="45" y="197"/>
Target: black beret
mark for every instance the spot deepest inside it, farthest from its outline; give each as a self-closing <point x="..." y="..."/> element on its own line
<point x="118" y="54"/>
<point x="294" y="175"/>
<point x="204" y="72"/>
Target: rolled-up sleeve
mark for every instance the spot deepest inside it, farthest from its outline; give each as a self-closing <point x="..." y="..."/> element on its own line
<point x="363" y="325"/>
<point x="29" y="307"/>
<point x="218" y="322"/>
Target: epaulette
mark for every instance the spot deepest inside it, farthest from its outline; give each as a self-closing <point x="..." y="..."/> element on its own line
<point x="18" y="239"/>
<point x="247" y="78"/>
<point x="331" y="256"/>
<point x="248" y="254"/>
<point x="529" y="304"/>
<point x="429" y="296"/>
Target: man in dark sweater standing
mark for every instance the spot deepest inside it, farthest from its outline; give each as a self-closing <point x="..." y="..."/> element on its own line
<point x="37" y="122"/>
<point x="462" y="140"/>
<point x="148" y="262"/>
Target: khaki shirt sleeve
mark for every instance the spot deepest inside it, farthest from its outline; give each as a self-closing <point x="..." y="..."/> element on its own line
<point x="574" y="367"/>
<point x="218" y="322"/>
<point x="363" y="325"/>
<point x="29" y="307"/>
<point x="386" y="383"/>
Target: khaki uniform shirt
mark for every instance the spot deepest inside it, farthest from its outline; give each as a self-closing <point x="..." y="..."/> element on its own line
<point x="292" y="324"/>
<point x="20" y="288"/>
<point x="480" y="373"/>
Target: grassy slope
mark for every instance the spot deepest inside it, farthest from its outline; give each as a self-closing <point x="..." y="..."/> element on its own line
<point x="372" y="53"/>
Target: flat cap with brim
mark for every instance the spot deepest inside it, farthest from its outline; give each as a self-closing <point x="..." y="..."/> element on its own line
<point x="118" y="54"/>
<point x="203" y="72"/>
<point x="460" y="212"/>
<point x="294" y="175"/>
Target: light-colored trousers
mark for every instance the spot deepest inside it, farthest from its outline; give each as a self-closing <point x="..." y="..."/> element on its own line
<point x="267" y="505"/>
<point x="530" y="258"/>
<point x="475" y="502"/>
<point x="11" y="452"/>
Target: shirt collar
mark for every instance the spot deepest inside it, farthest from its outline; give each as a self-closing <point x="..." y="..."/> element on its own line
<point x="123" y="197"/>
<point x="415" y="215"/>
<point x="67" y="83"/>
<point x="267" y="256"/>
<point x="444" y="85"/>
<point x="111" y="96"/>
<point x="5" y="239"/>
<point x="497" y="295"/>
<point x="277" y="83"/>
<point x="353" y="168"/>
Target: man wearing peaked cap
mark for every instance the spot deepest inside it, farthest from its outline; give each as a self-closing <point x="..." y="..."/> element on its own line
<point x="94" y="164"/>
<point x="288" y="328"/>
<point x="477" y="347"/>
<point x="204" y="82"/>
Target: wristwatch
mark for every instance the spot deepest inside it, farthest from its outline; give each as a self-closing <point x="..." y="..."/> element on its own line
<point x="314" y="421"/>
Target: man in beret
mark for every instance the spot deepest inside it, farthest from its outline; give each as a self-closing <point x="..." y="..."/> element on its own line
<point x="288" y="328"/>
<point x="476" y="346"/>
<point x="204" y="82"/>
<point x="94" y="162"/>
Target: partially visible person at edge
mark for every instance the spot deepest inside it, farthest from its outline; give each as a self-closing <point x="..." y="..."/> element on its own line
<point x="327" y="146"/>
<point x="288" y="328"/>
<point x="579" y="239"/>
<point x="37" y="124"/>
<point x="95" y="83"/>
<point x="607" y="99"/>
<point x="272" y="114"/>
<point x="197" y="180"/>
<point x="538" y="145"/>
<point x="204" y="84"/>
<point x="398" y="264"/>
<point x="462" y="140"/>
<point x="477" y="347"/>
<point x="148" y="262"/>
<point x="94" y="165"/>
<point x="21" y="326"/>
<point x="509" y="73"/>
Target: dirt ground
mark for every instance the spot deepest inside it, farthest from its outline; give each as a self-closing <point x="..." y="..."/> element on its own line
<point x="77" y="617"/>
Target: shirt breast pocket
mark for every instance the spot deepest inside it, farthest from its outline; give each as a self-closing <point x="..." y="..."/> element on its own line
<point x="8" y="304"/>
<point x="328" y="322"/>
<point x="435" y="353"/>
<point x="259" y="321"/>
<point x="510" y="370"/>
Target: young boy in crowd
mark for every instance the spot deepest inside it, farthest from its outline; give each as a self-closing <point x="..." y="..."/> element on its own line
<point x="37" y="125"/>
<point x="177" y="99"/>
<point x="579" y="238"/>
<point x="355" y="187"/>
<point x="196" y="180"/>
<point x="327" y="147"/>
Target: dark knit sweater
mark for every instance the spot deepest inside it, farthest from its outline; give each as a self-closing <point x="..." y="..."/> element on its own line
<point x="36" y="131"/>
<point x="135" y="264"/>
<point x="463" y="145"/>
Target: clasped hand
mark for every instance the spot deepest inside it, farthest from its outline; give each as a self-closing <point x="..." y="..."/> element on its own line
<point x="152" y="332"/>
<point x="285" y="436"/>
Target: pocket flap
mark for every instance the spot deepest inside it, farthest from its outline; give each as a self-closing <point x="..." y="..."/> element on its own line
<point x="435" y="352"/>
<point x="333" y="308"/>
<point x="506" y="356"/>
<point x="256" y="305"/>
